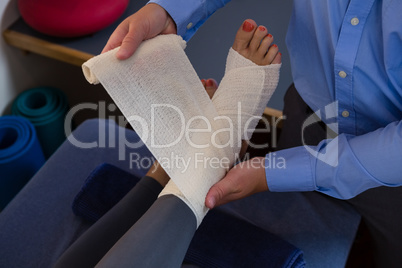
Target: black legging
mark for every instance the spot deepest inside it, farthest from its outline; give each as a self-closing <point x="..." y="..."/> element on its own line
<point x="126" y="236"/>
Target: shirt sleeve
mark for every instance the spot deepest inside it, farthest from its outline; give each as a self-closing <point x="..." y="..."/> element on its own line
<point x="342" y="167"/>
<point x="189" y="15"/>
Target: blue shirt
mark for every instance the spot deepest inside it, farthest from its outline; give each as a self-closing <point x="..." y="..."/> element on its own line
<point x="346" y="59"/>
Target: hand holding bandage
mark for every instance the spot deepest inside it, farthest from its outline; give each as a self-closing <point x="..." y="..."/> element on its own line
<point x="162" y="97"/>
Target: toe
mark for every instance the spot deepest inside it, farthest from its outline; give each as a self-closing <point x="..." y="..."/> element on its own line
<point x="277" y="59"/>
<point x="211" y="86"/>
<point x="258" y="36"/>
<point x="271" y="54"/>
<point x="203" y="81"/>
<point x="211" y="83"/>
<point x="265" y="44"/>
<point x="244" y="35"/>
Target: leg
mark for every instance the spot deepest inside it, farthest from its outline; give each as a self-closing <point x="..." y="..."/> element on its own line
<point x="159" y="239"/>
<point x="89" y="248"/>
<point x="380" y="209"/>
<point x="148" y="242"/>
<point x="252" y="72"/>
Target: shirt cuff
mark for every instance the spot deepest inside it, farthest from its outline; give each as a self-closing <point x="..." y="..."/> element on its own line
<point x="290" y="170"/>
<point x="187" y="14"/>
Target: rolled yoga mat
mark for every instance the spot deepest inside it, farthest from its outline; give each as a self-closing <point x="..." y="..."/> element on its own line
<point x="20" y="156"/>
<point x="46" y="108"/>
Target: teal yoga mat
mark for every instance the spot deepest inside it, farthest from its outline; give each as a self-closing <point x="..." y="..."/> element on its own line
<point x="46" y="108"/>
<point x="20" y="156"/>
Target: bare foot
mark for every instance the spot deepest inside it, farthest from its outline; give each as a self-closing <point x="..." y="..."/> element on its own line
<point x="256" y="44"/>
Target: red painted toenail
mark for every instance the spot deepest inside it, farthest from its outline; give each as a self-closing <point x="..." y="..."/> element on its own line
<point x="269" y="35"/>
<point x="247" y="26"/>
<point x="274" y="45"/>
<point x="261" y="28"/>
<point x="209" y="83"/>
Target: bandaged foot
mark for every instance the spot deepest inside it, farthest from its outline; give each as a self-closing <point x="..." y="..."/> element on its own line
<point x="161" y="96"/>
<point x="251" y="76"/>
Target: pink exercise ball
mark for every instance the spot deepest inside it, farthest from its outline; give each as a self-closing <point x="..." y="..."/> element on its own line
<point x="70" y="18"/>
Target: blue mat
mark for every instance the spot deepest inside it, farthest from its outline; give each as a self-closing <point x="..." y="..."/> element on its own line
<point x="104" y="187"/>
<point x="221" y="241"/>
<point x="20" y="156"/>
<point x="46" y="108"/>
<point x="224" y="241"/>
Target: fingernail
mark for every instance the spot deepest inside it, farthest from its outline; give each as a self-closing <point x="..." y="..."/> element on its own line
<point x="261" y="28"/>
<point x="211" y="202"/>
<point x="209" y="83"/>
<point x="121" y="54"/>
<point x="247" y="26"/>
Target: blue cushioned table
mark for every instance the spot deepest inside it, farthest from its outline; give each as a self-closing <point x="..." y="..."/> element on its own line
<point x="39" y="224"/>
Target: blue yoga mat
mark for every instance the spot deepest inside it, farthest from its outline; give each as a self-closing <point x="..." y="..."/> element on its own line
<point x="46" y="108"/>
<point x="20" y="156"/>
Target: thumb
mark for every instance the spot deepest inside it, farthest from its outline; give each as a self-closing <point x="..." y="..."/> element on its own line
<point x="219" y="193"/>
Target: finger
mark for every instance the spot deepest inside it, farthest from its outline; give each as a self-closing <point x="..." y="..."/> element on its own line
<point x="130" y="43"/>
<point x="116" y="38"/>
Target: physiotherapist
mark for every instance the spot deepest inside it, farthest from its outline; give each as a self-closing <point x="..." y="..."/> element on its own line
<point x="346" y="60"/>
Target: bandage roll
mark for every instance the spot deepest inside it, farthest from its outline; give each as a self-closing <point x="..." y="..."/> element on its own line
<point x="20" y="156"/>
<point x="45" y="108"/>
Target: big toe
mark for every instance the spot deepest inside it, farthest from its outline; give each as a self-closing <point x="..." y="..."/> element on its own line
<point x="244" y="35"/>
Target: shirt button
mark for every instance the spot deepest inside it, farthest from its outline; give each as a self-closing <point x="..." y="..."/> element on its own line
<point x="354" y="21"/>
<point x="345" y="113"/>
<point x="342" y="74"/>
<point x="189" y="26"/>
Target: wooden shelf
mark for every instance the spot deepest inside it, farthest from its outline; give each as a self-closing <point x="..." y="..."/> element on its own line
<point x="45" y="48"/>
<point x="271" y="112"/>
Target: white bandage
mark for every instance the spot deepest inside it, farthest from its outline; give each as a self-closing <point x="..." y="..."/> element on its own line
<point x="160" y="94"/>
